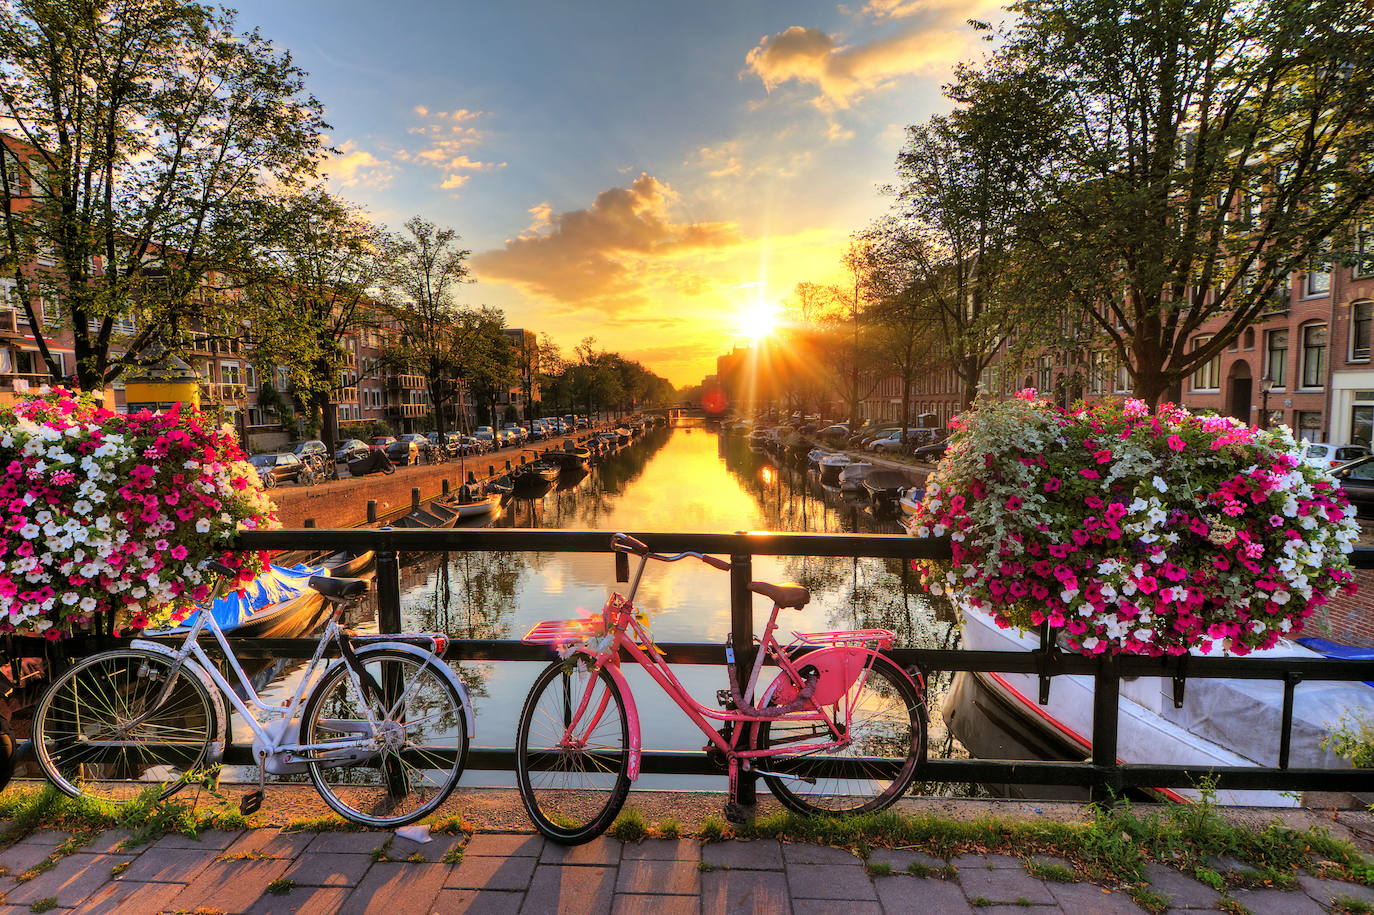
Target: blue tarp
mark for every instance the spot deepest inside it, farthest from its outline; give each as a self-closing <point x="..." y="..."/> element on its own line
<point x="1337" y="650"/>
<point x="279" y="585"/>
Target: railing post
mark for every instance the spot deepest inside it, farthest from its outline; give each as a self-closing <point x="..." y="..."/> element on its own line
<point x="1106" y="702"/>
<point x="742" y="638"/>
<point x="388" y="589"/>
<point x="371" y="511"/>
<point x="414" y="498"/>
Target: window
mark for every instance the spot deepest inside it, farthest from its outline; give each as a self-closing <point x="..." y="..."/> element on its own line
<point x="1319" y="273"/>
<point x="1314" y="356"/>
<point x="1309" y="425"/>
<point x="1045" y="379"/>
<point x="1276" y="357"/>
<point x="251" y="374"/>
<point x="1207" y="376"/>
<point x="1361" y="315"/>
<point x="1249" y="338"/>
<point x="1123" y="379"/>
<point x="1364" y="250"/>
<point x="229" y="373"/>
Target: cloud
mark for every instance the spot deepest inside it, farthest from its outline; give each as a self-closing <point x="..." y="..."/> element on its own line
<point x="845" y="73"/>
<point x="609" y="254"/>
<point x="355" y="167"/>
<point x="447" y="137"/>
<point x="738" y="159"/>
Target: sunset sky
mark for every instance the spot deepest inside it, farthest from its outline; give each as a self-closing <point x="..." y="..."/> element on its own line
<point x="641" y="172"/>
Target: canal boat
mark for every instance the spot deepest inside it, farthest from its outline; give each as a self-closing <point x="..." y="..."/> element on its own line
<point x="831" y="466"/>
<point x="910" y="501"/>
<point x="852" y="477"/>
<point x="884" y="488"/>
<point x="474" y="508"/>
<point x="623" y="436"/>
<point x="1221" y="723"/>
<point x="813" y="458"/>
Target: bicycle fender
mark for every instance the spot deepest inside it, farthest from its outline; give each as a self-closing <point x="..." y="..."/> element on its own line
<point x="631" y="714"/>
<point x="469" y="713"/>
<point x="211" y="687"/>
<point x="838" y="667"/>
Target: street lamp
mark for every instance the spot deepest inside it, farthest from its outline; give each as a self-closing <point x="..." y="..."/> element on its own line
<point x="1265" y="384"/>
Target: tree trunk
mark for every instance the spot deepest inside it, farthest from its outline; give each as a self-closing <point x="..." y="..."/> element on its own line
<point x="329" y="422"/>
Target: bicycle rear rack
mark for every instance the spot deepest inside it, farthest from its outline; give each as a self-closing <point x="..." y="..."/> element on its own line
<point x="561" y="632"/>
<point x="856" y="638"/>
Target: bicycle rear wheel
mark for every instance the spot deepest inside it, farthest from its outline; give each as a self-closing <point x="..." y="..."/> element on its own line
<point x="97" y="732"/>
<point x="888" y="731"/>
<point x="417" y="761"/>
<point x="573" y="793"/>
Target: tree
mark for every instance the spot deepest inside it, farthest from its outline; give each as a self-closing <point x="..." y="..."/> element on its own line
<point x="966" y="181"/>
<point x="142" y="130"/>
<point x="310" y="291"/>
<point x="845" y="344"/>
<point x="904" y="321"/>
<point x="422" y="267"/>
<point x="486" y="361"/>
<point x="1205" y="152"/>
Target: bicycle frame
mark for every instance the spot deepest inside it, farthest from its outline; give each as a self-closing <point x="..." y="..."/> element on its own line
<point x="620" y="630"/>
<point x="192" y="656"/>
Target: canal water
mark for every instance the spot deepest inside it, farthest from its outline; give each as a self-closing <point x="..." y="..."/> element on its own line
<point x="682" y="478"/>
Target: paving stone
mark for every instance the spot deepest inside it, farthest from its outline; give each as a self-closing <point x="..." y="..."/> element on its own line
<point x="504" y="845"/>
<point x="631" y="904"/>
<point x="433" y="850"/>
<point x="662" y="850"/>
<point x="827" y="907"/>
<point x="210" y="838"/>
<point x="51" y="837"/>
<point x="761" y="854"/>
<point x="1085" y="897"/>
<point x="72" y="881"/>
<point x="23" y="855"/>
<point x="570" y="890"/>
<point x="389" y="884"/>
<point x="485" y="873"/>
<point x="1182" y="891"/>
<point x="168" y="865"/>
<point x="737" y="891"/>
<point x="1047" y="861"/>
<point x="986" y="862"/>
<point x="230" y="886"/>
<point x="1277" y="902"/>
<point x="272" y="843"/>
<point x="478" y="902"/>
<point x="110" y="840"/>
<point x="1021" y="910"/>
<point x="678" y="878"/>
<point x="303" y="900"/>
<point x="829" y="881"/>
<point x="312" y="869"/>
<point x="1194" y="912"/>
<point x="900" y="859"/>
<point x="125" y="896"/>
<point x="599" y="852"/>
<point x="921" y="896"/>
<point x="1004" y="885"/>
<point x="348" y="843"/>
<point x="817" y="854"/>
<point x="1326" y="890"/>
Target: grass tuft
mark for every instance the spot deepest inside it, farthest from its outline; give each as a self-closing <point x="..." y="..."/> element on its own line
<point x="713" y="829"/>
<point x="120" y="868"/>
<point x="281" y="886"/>
<point x="630" y="826"/>
<point x="318" y="824"/>
<point x="705" y="867"/>
<point x="1055" y="873"/>
<point x="453" y="856"/>
<point x="43" y="905"/>
<point x="1148" y="899"/>
<point x="1349" y="905"/>
<point x="668" y="829"/>
<point x="878" y="868"/>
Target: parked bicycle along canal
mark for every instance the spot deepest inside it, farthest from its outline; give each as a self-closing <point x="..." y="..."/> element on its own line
<point x="685" y="477"/>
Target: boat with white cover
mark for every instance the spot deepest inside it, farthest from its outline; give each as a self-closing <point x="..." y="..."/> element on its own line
<point x="831" y="466"/>
<point x="852" y="477"/>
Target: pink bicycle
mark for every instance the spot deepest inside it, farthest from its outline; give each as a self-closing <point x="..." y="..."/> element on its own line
<point x="840" y="729"/>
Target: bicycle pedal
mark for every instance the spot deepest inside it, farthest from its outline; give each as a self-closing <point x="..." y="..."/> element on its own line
<point x="251" y="802"/>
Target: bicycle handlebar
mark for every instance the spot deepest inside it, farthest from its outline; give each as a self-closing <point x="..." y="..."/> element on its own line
<point x="627" y="544"/>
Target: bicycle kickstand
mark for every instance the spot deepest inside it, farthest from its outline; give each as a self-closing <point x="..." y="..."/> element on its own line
<point x="735" y="812"/>
<point x="251" y="802"/>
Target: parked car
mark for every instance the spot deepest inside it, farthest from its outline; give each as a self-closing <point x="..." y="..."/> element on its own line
<point x="485" y="438"/>
<point x="310" y="446"/>
<point x="383" y="442"/>
<point x="516" y="434"/>
<point x="281" y="467"/>
<point x="1322" y="454"/>
<point x="892" y="443"/>
<point x="837" y="431"/>
<point x="406" y="450"/>
<point x="1357" y="482"/>
<point x="351" y="450"/>
<point x="931" y="453"/>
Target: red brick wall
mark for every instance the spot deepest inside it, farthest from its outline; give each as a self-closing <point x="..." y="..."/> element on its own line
<point x="1350" y="619"/>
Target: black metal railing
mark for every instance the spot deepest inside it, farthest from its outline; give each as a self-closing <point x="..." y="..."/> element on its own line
<point x="1103" y="773"/>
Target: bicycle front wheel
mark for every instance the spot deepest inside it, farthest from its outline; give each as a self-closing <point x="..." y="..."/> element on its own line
<point x="412" y="765"/>
<point x="573" y="774"/>
<point x="100" y="732"/>
<point x="887" y="731"/>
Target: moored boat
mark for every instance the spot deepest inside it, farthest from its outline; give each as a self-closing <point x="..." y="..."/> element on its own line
<point x="831" y="466"/>
<point x="852" y="477"/>
<point x="884" y="488"/>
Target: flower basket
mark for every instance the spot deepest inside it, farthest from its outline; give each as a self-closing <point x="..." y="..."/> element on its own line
<point x="1134" y="532"/>
<point x="117" y="516"/>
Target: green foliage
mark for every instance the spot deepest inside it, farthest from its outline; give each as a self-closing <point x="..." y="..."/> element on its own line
<point x="668" y="829"/>
<point x="281" y="886"/>
<point x="878" y="868"/>
<point x="1350" y="905"/>
<point x="1353" y="740"/>
<point x="713" y="829"/>
<point x="1056" y="873"/>
<point x="45" y="904"/>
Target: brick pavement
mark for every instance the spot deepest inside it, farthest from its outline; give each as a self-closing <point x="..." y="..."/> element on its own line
<point x="269" y="871"/>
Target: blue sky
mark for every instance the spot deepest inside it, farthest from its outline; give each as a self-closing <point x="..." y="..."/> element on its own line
<point x="644" y="172"/>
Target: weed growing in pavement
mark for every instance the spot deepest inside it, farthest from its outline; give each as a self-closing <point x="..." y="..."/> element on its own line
<point x="318" y="824"/>
<point x="1349" y="905"/>
<point x="453" y="856"/>
<point x="120" y="868"/>
<point x="452" y="826"/>
<point x="705" y="867"/>
<point x="981" y="902"/>
<point x="1148" y="899"/>
<point x="630" y="826"/>
<point x="713" y="829"/>
<point x="1208" y="877"/>
<point x="417" y="858"/>
<point x="668" y="829"/>
<point x="878" y="868"/>
<point x="1056" y="873"/>
<point x="281" y="886"/>
<point x="44" y="904"/>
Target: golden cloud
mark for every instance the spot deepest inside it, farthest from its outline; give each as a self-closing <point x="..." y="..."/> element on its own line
<point x="448" y="135"/>
<point x="609" y="253"/>
<point x="355" y="167"/>
<point x="845" y="73"/>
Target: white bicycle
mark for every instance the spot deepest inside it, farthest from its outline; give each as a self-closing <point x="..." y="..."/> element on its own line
<point x="382" y="730"/>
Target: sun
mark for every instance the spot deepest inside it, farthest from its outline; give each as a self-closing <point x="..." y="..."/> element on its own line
<point x="759" y="320"/>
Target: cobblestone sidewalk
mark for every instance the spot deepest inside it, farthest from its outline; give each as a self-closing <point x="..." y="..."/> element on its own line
<point x="271" y="871"/>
